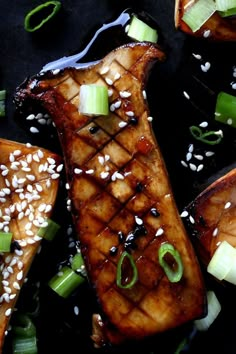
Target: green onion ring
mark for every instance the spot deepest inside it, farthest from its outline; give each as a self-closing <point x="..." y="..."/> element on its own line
<point x="174" y="276"/>
<point x="23" y="326"/>
<point x="28" y="18"/>
<point x="205" y="137"/>
<point x="119" y="271"/>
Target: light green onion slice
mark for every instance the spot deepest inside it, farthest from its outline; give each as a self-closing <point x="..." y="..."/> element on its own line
<point x="2" y="103"/>
<point x="24" y="335"/>
<point x="224" y="5"/>
<point x="225" y="111"/>
<point x="5" y="241"/>
<point x="174" y="271"/>
<point x="210" y="137"/>
<point x="65" y="281"/>
<point x="196" y="15"/>
<point x="140" y="31"/>
<point x="120" y="281"/>
<point x="50" y="231"/>
<point x="25" y="345"/>
<point x="77" y="263"/>
<point x="214" y="309"/>
<point x="93" y="100"/>
<point x="221" y="261"/>
<point x="40" y="15"/>
<point x="230" y="12"/>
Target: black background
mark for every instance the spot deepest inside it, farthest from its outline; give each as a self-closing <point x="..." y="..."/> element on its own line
<point x="23" y="54"/>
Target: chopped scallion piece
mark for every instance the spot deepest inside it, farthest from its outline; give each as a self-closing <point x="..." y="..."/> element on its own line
<point x="23" y="326"/>
<point x="140" y="31"/>
<point x="230" y="12"/>
<point x="197" y="14"/>
<point x="225" y="5"/>
<point x="210" y="137"/>
<point x="77" y="262"/>
<point x="173" y="267"/>
<point x="120" y="281"/>
<point x="2" y="103"/>
<point x="5" y="241"/>
<point x="40" y="15"/>
<point x="214" y="309"/>
<point x="65" y="281"/>
<point x="93" y="100"/>
<point x="225" y="111"/>
<point x="24" y="335"/>
<point x="25" y="345"/>
<point x="50" y="231"/>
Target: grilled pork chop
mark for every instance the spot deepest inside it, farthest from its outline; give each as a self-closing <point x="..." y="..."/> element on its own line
<point x="121" y="196"/>
<point x="216" y="27"/>
<point x="28" y="189"/>
<point x="214" y="216"/>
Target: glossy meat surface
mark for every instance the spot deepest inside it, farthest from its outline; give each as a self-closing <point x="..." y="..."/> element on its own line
<point x="28" y="189"/>
<point x="214" y="214"/>
<point x="215" y="28"/>
<point x="119" y="188"/>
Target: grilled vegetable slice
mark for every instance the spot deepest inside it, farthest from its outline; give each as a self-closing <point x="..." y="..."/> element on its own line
<point x="121" y="196"/>
<point x="216" y="27"/>
<point x="23" y="188"/>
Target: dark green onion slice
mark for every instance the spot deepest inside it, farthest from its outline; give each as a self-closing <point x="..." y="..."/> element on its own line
<point x="5" y="241"/>
<point x="40" y="15"/>
<point x="140" y="31"/>
<point x="2" y="103"/>
<point x="197" y="14"/>
<point x="23" y="326"/>
<point x="24" y="335"/>
<point x="230" y="12"/>
<point x="225" y="5"/>
<point x="93" y="100"/>
<point x="50" y="231"/>
<point x="25" y="345"/>
<point x="174" y="274"/>
<point x="209" y="137"/>
<point x="225" y="111"/>
<point x="66" y="281"/>
<point x="121" y="283"/>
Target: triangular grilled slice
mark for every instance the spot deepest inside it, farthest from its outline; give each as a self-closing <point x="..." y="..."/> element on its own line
<point x="216" y="27"/>
<point x="121" y="196"/>
<point x="212" y="216"/>
<point x="28" y="189"/>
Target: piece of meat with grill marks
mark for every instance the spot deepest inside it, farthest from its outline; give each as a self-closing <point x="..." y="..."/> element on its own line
<point x="28" y="190"/>
<point x="121" y="196"/>
<point x="214" y="215"/>
<point x="215" y="28"/>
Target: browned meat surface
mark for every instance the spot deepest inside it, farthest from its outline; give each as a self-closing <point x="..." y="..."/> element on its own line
<point x="118" y="187"/>
<point x="221" y="29"/>
<point x="28" y="189"/>
<point x="214" y="216"/>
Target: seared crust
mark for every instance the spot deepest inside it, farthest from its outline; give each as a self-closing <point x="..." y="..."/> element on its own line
<point x="214" y="213"/>
<point x="117" y="176"/>
<point x="220" y="29"/>
<point x="25" y="188"/>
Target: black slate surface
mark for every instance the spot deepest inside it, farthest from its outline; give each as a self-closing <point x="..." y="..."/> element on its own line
<point x="23" y="54"/>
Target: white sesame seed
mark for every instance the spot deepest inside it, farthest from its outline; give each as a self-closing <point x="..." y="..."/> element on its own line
<point x="30" y="117"/>
<point x="5" y="172"/>
<point x="234" y="86"/>
<point x="108" y="81"/>
<point x="229" y="121"/>
<point x="59" y="168"/>
<point x="150" y="119"/>
<point x="48" y="208"/>
<point x="209" y="153"/>
<point x="203" y="124"/>
<point x="205" y="67"/>
<point x="8" y="312"/>
<point x="144" y="94"/>
<point x="107" y="157"/>
<point x="122" y="124"/>
<point x="10" y="269"/>
<point x="112" y="107"/>
<point x="104" y="70"/>
<point x="104" y="175"/>
<point x="119" y="176"/>
<point x="5" y="274"/>
<point x="197" y="56"/>
<point x="37" y="238"/>
<point x="18" y="252"/>
<point x="78" y="171"/>
<point x="117" y="76"/>
<point x="89" y="172"/>
<point x="190" y="148"/>
<point x="30" y="241"/>
<point x="188" y="156"/>
<point x="110" y="92"/>
<point x="42" y="121"/>
<point x="200" y="167"/>
<point x="198" y="157"/>
<point x="3" y="200"/>
<point x="36" y="157"/>
<point x="138" y="220"/>
<point x="191" y="219"/>
<point x="117" y="104"/>
<point x="215" y="232"/>
<point x="20" y="265"/>
<point x="67" y="186"/>
<point x="8" y="259"/>
<point x="159" y="232"/>
<point x="124" y="94"/>
<point x="55" y="175"/>
<point x="129" y="113"/>
<point x="206" y="33"/>
<point x="16" y="285"/>
<point x="193" y="167"/>
<point x="101" y="160"/>
<point x="76" y="310"/>
<point x="51" y="161"/>
<point x="186" y="95"/>
<point x="227" y="205"/>
<point x="30" y="177"/>
<point x="34" y="130"/>
<point x="7" y="182"/>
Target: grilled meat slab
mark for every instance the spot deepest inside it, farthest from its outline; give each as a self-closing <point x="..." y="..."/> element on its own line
<point x="28" y="189"/>
<point x="121" y="196"/>
<point x="214" y="215"/>
<point x="220" y="28"/>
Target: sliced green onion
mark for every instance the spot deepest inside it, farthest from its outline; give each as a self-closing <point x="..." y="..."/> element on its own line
<point x="221" y="261"/>
<point x="224" y="5"/>
<point x="230" y="12"/>
<point x="25" y="345"/>
<point x="77" y="263"/>
<point x="225" y="111"/>
<point x="5" y="241"/>
<point x="65" y="281"/>
<point x="174" y="274"/>
<point x="210" y="137"/>
<point x="197" y="14"/>
<point x="140" y="31"/>
<point x="124" y="283"/>
<point x="3" y="103"/>
<point x="214" y="309"/>
<point x="50" y="231"/>
<point x="23" y="326"/>
<point x="93" y="100"/>
<point x="40" y="15"/>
